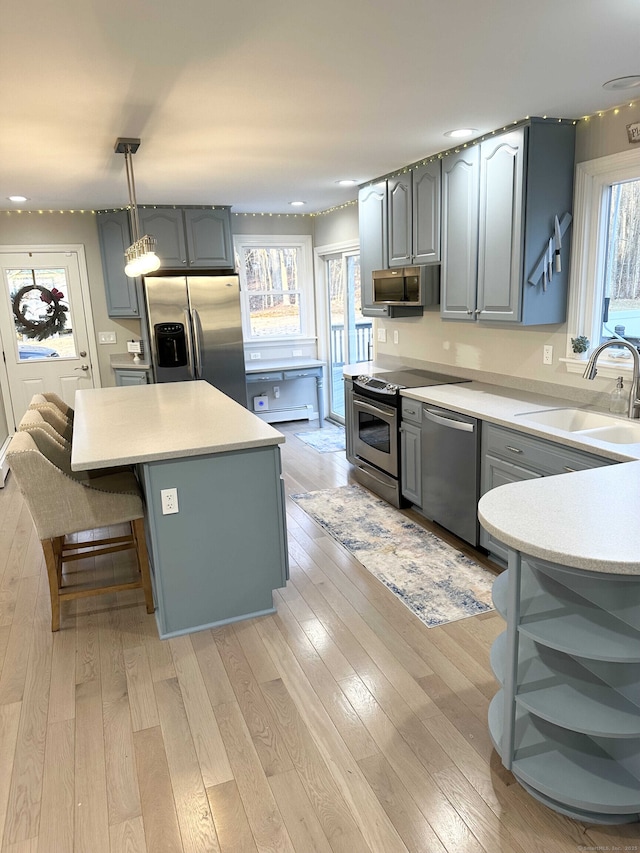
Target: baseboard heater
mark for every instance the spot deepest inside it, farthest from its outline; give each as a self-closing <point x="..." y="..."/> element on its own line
<point x="291" y="413"/>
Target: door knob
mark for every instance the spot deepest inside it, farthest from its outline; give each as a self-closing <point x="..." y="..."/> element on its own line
<point x="83" y="354"/>
<point x="84" y="367"/>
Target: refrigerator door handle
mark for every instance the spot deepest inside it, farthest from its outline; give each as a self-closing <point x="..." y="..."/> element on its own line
<point x="189" y="336"/>
<point x="197" y="343"/>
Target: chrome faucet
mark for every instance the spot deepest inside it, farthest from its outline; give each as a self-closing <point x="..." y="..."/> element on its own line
<point x="591" y="370"/>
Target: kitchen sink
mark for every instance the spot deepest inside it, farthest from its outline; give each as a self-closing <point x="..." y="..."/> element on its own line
<point x="571" y="420"/>
<point x="624" y="433"/>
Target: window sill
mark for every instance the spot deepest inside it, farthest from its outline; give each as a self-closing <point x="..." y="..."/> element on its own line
<point x="609" y="368"/>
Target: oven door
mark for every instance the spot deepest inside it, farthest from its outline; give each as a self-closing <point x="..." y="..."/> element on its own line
<point x="375" y="434"/>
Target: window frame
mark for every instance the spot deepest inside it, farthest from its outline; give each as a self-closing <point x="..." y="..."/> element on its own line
<point x="303" y="243"/>
<point x="586" y="283"/>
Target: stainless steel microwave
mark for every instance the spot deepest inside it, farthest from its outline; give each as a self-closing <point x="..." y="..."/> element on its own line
<point x="419" y="286"/>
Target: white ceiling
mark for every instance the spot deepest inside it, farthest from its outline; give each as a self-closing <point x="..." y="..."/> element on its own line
<point x="256" y="104"/>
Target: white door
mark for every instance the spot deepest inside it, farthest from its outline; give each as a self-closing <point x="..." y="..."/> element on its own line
<point x="43" y="327"/>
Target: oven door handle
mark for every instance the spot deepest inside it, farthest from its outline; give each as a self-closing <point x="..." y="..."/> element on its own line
<point x="373" y="410"/>
<point x="448" y="422"/>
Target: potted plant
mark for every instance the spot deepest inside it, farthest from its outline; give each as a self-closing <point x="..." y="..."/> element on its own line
<point x="580" y="345"/>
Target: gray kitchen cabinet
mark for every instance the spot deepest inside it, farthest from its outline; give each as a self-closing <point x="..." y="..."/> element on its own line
<point x="114" y="234"/>
<point x="566" y="720"/>
<point x="125" y="376"/>
<point x="509" y="456"/>
<point x="413" y="211"/>
<point x="500" y="200"/>
<point x="411" y="451"/>
<point x="372" y="222"/>
<point x="190" y="237"/>
<point x="460" y="183"/>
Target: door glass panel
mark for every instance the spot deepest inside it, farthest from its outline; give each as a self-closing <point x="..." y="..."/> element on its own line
<point x="350" y="337"/>
<point x="375" y="432"/>
<point x="41" y="313"/>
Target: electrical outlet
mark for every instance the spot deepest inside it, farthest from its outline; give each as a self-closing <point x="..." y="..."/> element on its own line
<point x="255" y="355"/>
<point x="276" y="391"/>
<point x="169" y="499"/>
<point x="297" y="353"/>
<point x="396" y="336"/>
<point x="106" y="337"/>
<point x="547" y="354"/>
<point x="382" y="336"/>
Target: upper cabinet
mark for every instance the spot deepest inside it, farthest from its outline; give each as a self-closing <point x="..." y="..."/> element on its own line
<point x="372" y="219"/>
<point x="500" y="198"/>
<point x="114" y="233"/>
<point x="190" y="237"/>
<point x="414" y="216"/>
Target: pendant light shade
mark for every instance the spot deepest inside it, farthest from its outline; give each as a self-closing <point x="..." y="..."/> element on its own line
<point x="140" y="257"/>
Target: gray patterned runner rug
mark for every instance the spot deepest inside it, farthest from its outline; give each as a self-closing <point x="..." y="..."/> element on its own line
<point x="435" y="581"/>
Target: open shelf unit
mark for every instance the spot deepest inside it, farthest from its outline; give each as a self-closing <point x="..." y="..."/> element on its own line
<point x="566" y="721"/>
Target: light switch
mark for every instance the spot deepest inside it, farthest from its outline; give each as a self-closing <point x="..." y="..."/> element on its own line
<point x="382" y="336"/>
<point x="106" y="337"/>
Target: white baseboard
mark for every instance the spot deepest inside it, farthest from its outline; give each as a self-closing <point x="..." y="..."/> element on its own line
<point x="293" y="413"/>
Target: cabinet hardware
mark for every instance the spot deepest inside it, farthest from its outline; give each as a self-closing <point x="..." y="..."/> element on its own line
<point x="514" y="449"/>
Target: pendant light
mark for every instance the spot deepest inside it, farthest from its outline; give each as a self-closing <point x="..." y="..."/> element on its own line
<point x="141" y="255"/>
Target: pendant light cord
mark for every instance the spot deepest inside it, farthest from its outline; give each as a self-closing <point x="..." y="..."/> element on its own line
<point x="135" y="222"/>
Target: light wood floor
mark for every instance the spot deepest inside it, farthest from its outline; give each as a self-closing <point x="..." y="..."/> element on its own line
<point x="340" y="724"/>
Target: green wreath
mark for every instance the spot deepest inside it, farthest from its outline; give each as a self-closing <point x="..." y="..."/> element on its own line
<point x="54" y="321"/>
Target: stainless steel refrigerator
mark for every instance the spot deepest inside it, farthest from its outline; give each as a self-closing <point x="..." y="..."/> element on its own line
<point x="195" y="330"/>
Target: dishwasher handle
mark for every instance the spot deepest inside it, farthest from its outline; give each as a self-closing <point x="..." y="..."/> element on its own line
<point x="463" y="426"/>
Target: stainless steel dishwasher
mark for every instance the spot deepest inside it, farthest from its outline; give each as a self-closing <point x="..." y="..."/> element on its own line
<point x="451" y="471"/>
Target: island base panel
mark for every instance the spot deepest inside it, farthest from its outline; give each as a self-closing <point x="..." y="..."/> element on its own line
<point x="221" y="556"/>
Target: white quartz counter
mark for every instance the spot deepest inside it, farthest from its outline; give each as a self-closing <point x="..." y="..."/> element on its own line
<point x="587" y="519"/>
<point x="504" y="405"/>
<point x="145" y="423"/>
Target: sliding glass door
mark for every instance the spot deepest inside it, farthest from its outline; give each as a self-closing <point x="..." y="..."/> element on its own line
<point x="349" y="331"/>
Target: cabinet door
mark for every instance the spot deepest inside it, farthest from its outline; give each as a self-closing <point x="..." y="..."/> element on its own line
<point x="460" y="178"/>
<point x="411" y="463"/>
<point x="426" y="213"/>
<point x="115" y="238"/>
<point x="131" y="377"/>
<point x="399" y="220"/>
<point x="500" y="233"/>
<point x="209" y="238"/>
<point x="372" y="218"/>
<point x="496" y="472"/>
<point x="167" y="226"/>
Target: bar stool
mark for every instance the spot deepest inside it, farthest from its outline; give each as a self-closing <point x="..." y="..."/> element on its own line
<point x="61" y="505"/>
<point x="52" y="414"/>
<point x="58" y="402"/>
<point x="33" y="418"/>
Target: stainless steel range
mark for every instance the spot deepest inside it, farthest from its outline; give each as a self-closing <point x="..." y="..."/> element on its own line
<point x="373" y="426"/>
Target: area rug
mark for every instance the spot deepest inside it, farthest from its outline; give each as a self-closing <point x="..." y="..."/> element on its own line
<point x="435" y="581"/>
<point x="326" y="440"/>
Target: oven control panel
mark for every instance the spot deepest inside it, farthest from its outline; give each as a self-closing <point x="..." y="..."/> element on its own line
<point x="378" y="385"/>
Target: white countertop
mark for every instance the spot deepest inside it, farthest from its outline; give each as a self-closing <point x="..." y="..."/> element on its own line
<point x="172" y="420"/>
<point x="502" y="405"/>
<point x="587" y="519"/>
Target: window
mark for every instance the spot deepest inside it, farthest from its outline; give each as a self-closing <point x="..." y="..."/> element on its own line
<point x="276" y="276"/>
<point x="605" y="275"/>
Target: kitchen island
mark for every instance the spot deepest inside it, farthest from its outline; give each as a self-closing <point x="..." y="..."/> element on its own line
<point x="221" y="550"/>
<point x="566" y="720"/>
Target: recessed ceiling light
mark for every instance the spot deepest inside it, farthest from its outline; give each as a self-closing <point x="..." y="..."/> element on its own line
<point x="18" y="198"/>
<point x="347" y="182"/>
<point x="461" y="132"/>
<point x="297" y="203"/>
<point x="631" y="82"/>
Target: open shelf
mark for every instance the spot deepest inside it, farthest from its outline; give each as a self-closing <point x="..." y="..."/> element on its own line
<point x="558" y="688"/>
<point x="568" y="767"/>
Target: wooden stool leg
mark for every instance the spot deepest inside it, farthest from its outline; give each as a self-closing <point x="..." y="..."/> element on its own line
<point x="52" y="573"/>
<point x="137" y="528"/>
